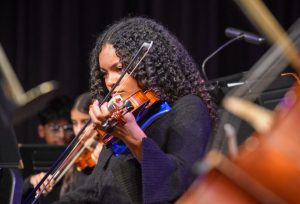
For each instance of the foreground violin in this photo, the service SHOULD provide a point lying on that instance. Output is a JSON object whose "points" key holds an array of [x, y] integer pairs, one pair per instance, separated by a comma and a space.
{"points": [[145, 106]]}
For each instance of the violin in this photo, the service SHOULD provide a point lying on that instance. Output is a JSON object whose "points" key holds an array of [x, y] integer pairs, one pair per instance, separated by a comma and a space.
{"points": [[138, 103], [85, 159]]}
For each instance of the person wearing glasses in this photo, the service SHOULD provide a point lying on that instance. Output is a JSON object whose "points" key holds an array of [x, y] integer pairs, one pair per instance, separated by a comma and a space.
{"points": [[55, 128], [79, 117]]}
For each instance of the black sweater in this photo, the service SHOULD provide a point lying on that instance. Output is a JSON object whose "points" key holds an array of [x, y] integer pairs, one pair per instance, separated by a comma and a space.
{"points": [[174, 142]]}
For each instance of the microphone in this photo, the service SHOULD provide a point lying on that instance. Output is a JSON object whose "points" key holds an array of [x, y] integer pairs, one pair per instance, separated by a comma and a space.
{"points": [[248, 37], [215, 89]]}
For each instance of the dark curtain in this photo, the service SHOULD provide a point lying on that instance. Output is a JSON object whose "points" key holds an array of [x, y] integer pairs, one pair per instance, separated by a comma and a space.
{"points": [[51, 39]]}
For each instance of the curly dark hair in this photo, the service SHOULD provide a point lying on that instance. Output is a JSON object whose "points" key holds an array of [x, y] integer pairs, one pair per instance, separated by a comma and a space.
{"points": [[168, 69], [57, 109]]}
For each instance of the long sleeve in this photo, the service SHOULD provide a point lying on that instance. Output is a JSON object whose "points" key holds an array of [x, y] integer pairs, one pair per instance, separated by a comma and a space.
{"points": [[88, 191], [113, 180], [169, 154]]}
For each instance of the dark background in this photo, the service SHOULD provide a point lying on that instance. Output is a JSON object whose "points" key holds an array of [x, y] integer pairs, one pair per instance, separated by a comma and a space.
{"points": [[51, 39]]}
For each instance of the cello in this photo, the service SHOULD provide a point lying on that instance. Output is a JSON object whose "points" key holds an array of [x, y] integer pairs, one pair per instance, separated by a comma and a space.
{"points": [[267, 168]]}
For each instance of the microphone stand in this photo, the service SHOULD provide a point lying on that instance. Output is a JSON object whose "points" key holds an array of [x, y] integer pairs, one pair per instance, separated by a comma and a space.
{"points": [[214, 90], [236, 35]]}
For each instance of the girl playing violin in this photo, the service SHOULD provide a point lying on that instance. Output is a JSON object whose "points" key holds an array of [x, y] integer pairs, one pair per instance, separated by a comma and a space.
{"points": [[156, 167], [75, 176]]}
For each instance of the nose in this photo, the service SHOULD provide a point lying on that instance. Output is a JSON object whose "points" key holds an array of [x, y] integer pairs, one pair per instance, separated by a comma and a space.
{"points": [[111, 80], [61, 133], [77, 128]]}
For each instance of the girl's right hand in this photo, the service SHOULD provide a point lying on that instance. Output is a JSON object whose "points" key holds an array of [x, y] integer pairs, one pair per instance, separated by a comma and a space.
{"points": [[35, 179]]}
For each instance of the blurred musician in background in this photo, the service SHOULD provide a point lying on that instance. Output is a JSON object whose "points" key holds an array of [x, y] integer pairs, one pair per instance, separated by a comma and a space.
{"points": [[55, 128], [79, 116], [75, 176]]}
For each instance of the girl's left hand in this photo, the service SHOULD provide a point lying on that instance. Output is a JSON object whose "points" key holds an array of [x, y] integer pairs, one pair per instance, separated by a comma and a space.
{"points": [[130, 133], [131, 130]]}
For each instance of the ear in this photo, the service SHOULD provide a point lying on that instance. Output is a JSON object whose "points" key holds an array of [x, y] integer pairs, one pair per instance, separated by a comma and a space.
{"points": [[41, 131]]}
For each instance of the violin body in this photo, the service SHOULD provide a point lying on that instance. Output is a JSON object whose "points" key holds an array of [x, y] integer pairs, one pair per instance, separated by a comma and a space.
{"points": [[85, 159], [267, 169], [138, 103]]}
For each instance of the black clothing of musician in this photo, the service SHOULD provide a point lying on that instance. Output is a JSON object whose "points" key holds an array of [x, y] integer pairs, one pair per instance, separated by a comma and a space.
{"points": [[156, 166]]}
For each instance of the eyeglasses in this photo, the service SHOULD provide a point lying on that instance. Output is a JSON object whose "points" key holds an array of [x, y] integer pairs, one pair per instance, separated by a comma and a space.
{"points": [[68, 129]]}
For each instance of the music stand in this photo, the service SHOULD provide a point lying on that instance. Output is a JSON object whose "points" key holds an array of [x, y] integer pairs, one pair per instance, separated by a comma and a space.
{"points": [[269, 98], [15, 106], [10, 160], [38, 157]]}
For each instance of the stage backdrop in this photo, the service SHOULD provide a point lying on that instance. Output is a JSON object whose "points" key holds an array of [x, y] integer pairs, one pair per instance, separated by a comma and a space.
{"points": [[51, 39]]}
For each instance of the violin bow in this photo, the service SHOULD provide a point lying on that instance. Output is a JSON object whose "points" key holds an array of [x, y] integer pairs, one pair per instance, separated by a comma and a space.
{"points": [[142, 51]]}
